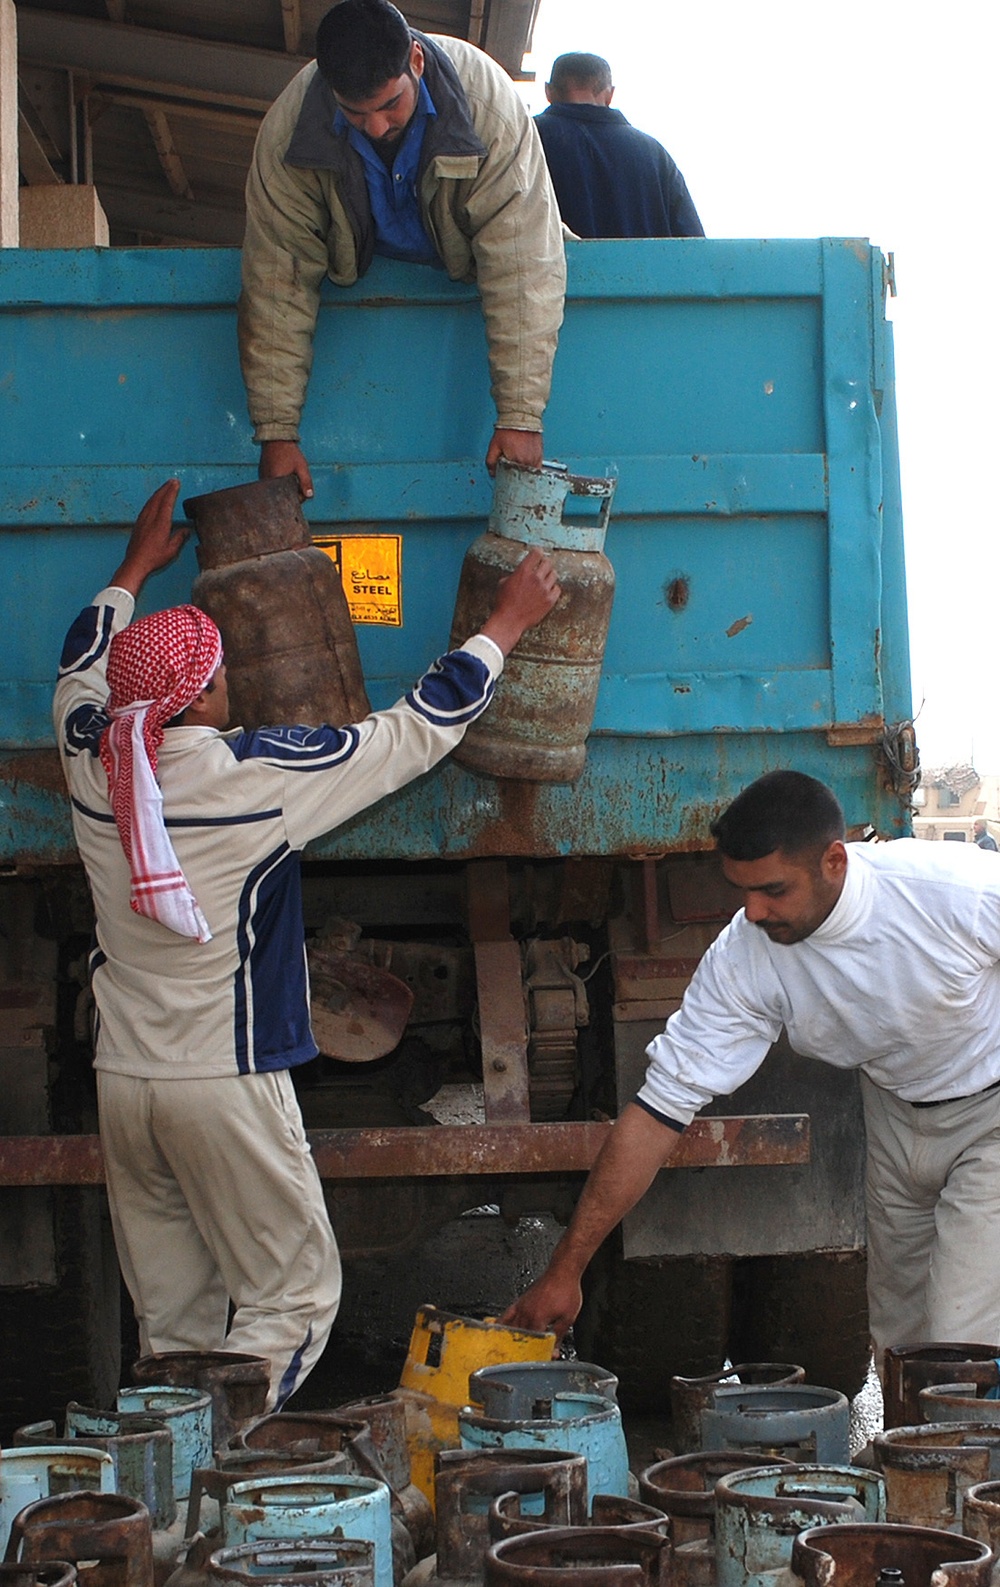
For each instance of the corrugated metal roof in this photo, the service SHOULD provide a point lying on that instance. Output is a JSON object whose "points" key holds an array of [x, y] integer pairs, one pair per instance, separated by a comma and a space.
{"points": [[157, 102]]}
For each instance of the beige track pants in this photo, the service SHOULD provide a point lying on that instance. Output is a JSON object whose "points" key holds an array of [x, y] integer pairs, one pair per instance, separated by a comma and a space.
{"points": [[933, 1198], [215, 1198]]}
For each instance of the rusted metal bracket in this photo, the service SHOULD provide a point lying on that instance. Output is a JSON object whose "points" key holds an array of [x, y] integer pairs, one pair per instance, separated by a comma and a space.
{"points": [[766, 1139], [503, 1027]]}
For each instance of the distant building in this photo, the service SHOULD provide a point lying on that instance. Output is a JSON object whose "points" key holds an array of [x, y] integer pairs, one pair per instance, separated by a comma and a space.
{"points": [[950, 799]]}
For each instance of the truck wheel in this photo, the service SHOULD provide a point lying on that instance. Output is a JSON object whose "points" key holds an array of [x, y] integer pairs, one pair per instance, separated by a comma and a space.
{"points": [[810, 1309], [647, 1319]]}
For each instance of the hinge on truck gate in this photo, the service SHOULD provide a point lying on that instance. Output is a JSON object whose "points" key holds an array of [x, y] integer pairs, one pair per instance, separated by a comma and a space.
{"points": [[901, 759], [889, 274]]}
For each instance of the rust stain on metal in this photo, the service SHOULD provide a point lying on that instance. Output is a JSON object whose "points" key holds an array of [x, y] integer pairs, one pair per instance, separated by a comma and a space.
{"points": [[739, 625], [517, 830], [450, 1150], [39, 768], [868, 729], [650, 967]]}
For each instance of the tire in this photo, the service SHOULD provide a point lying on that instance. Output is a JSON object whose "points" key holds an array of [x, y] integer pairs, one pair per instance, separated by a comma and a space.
{"points": [[811, 1310], [647, 1319]]}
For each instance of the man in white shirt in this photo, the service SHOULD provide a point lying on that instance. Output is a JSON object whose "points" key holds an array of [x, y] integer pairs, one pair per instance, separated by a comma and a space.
{"points": [[191, 836], [880, 957]]}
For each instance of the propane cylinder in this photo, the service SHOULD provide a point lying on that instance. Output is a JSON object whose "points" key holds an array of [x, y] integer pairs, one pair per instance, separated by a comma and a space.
{"points": [[299, 1506], [445, 1349], [957, 1402], [141, 1450], [583, 1424], [537, 725], [981, 1514], [552, 1486], [526, 1388], [236, 1383], [107, 1530], [910, 1368], [853, 1554], [36, 1471], [796, 1420], [758, 1513], [585, 1556], [685, 1488], [690, 1396], [291, 654], [929, 1468], [327, 1562], [187, 1413], [322, 1433]]}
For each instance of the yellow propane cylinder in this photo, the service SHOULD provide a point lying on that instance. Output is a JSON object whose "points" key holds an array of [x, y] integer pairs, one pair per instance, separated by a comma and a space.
{"points": [[434, 1385]]}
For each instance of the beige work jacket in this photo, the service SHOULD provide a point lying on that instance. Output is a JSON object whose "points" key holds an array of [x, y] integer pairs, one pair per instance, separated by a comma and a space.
{"points": [[487, 205]]}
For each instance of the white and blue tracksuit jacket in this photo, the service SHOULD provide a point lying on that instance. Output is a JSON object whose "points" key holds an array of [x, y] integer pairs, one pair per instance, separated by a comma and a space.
{"points": [[239, 807]]}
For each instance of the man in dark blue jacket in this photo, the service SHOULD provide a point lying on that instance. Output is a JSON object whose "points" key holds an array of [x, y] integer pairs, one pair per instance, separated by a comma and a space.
{"points": [[611, 180]]}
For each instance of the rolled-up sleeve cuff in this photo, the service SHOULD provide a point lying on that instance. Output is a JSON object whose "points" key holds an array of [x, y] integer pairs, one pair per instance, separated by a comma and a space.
{"points": [[517, 419], [487, 651], [275, 431], [661, 1118]]}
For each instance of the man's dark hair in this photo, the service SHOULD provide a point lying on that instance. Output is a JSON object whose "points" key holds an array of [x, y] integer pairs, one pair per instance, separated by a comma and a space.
{"points": [[785, 810], [361, 45], [578, 70]]}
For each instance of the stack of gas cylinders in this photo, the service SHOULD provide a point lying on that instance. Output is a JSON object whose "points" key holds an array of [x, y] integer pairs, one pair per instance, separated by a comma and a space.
{"points": [[493, 1464]]}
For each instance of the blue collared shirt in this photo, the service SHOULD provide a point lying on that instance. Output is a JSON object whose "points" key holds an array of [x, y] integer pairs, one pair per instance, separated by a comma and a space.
{"points": [[399, 228]]}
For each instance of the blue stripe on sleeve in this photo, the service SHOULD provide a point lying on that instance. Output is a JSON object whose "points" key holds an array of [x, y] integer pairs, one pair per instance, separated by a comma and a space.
{"points": [[296, 748], [457, 689], [87, 640]]}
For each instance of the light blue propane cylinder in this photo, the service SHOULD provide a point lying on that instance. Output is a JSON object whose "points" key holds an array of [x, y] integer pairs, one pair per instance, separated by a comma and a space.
{"points": [[758, 1514], [296, 1507], [188, 1414], [36, 1471], [580, 1424]]}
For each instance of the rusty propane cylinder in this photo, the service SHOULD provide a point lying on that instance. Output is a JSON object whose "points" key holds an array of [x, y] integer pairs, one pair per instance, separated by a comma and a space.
{"points": [[910, 1368], [236, 1383], [291, 654], [537, 725]]}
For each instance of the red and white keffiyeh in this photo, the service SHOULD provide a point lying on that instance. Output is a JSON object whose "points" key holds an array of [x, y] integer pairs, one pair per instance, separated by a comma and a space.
{"points": [[156, 667]]}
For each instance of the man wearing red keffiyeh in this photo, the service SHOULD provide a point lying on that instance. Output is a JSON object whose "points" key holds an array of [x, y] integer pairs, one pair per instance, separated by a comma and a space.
{"points": [[191, 838]]}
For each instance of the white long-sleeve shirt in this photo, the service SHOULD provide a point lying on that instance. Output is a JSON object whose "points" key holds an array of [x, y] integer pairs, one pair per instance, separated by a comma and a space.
{"points": [[239, 807], [901, 980]]}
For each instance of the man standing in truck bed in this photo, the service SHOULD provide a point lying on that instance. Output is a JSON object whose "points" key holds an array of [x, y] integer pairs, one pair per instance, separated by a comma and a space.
{"points": [[881, 957], [611, 180], [416, 147], [190, 837]]}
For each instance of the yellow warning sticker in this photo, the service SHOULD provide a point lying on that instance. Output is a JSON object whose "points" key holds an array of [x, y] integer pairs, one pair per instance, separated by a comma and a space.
{"points": [[370, 568]]}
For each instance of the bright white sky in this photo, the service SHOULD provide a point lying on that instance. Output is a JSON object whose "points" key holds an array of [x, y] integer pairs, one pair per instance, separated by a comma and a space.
{"points": [[793, 119]]}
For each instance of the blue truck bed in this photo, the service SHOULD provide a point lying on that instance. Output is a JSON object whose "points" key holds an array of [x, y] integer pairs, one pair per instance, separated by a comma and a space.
{"points": [[742, 391]]}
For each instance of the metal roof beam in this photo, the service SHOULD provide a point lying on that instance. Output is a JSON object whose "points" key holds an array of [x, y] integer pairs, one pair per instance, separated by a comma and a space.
{"points": [[166, 151], [163, 62], [291, 21], [242, 123]]}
